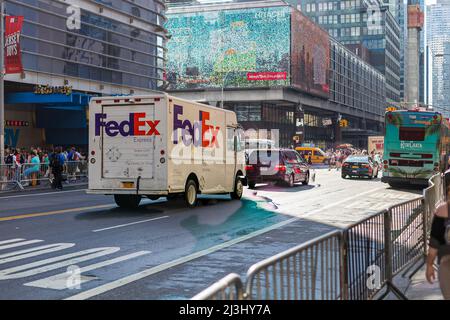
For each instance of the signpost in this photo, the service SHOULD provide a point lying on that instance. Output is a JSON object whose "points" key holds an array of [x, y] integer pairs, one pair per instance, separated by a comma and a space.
{"points": [[10, 62]]}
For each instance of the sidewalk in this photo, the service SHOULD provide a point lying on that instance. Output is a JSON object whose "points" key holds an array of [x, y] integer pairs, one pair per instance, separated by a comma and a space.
{"points": [[420, 289], [417, 288], [44, 186]]}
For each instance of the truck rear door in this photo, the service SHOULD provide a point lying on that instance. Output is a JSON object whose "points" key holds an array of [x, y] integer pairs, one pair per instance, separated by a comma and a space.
{"points": [[128, 133]]}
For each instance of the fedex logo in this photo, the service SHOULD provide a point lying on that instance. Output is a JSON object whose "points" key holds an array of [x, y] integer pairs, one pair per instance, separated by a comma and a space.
{"points": [[195, 133], [136, 125]]}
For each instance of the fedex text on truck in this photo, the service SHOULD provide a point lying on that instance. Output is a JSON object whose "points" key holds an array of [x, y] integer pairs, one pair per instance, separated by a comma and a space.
{"points": [[136, 125], [197, 130]]}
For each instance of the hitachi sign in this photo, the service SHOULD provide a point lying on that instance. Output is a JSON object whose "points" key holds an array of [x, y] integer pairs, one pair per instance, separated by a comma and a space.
{"points": [[136, 125]]}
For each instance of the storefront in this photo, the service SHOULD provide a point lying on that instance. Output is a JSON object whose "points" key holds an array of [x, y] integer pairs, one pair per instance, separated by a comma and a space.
{"points": [[46, 116]]}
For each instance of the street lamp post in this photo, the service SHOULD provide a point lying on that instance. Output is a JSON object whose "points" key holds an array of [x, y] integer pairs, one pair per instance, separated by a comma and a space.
{"points": [[223, 85]]}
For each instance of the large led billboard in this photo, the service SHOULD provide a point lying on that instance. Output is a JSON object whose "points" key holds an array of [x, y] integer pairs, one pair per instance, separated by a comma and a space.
{"points": [[310, 56], [229, 48]]}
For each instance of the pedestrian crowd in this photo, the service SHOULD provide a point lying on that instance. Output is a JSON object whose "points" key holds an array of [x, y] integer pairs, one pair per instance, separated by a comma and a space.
{"points": [[336, 157], [29, 166]]}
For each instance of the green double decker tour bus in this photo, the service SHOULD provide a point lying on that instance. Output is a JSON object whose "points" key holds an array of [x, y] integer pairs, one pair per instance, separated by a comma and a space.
{"points": [[416, 146]]}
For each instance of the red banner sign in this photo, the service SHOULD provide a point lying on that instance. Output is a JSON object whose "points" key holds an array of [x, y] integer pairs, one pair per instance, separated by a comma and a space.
{"points": [[13, 60], [265, 76]]}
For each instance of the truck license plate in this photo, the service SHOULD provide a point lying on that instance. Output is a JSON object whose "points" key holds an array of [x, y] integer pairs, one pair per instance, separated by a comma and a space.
{"points": [[128, 185]]}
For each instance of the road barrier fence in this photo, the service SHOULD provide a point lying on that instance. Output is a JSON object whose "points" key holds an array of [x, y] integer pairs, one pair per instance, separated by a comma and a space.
{"points": [[356, 263], [31, 174]]}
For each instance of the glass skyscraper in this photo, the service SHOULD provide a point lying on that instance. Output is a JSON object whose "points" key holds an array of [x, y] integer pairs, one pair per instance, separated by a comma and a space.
{"points": [[438, 42], [354, 22]]}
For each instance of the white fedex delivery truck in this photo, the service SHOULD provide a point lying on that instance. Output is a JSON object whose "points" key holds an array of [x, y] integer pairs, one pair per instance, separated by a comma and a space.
{"points": [[159, 145]]}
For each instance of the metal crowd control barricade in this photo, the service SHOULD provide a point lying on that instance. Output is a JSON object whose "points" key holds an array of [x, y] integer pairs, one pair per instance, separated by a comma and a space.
{"points": [[365, 250], [408, 236], [306, 272], [228, 288], [10, 177], [31, 174], [337, 265], [433, 196], [74, 170]]}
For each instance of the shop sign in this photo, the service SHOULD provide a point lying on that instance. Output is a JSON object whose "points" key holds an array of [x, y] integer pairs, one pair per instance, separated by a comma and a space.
{"points": [[12, 137], [46, 89], [16, 123], [266, 76], [13, 59]]}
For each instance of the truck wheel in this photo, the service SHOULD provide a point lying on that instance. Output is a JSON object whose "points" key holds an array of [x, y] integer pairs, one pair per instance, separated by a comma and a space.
{"points": [[238, 189], [190, 194], [128, 201]]}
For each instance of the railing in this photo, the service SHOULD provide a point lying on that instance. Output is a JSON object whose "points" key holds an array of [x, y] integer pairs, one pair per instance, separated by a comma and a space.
{"points": [[433, 195], [365, 248], [31, 174], [336, 266], [228, 288], [307, 272]]}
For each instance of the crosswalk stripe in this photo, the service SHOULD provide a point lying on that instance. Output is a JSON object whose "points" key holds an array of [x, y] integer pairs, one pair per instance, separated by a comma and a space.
{"points": [[35, 251], [10, 241], [89, 254], [59, 281], [19, 244]]}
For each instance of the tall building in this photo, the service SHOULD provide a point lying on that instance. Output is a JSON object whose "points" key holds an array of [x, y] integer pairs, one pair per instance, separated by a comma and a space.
{"points": [[72, 50], [402, 22], [412, 55], [421, 4], [275, 68], [363, 22], [438, 42]]}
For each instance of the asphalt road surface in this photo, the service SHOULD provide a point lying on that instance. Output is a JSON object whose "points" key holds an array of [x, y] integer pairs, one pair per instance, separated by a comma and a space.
{"points": [[51, 241]]}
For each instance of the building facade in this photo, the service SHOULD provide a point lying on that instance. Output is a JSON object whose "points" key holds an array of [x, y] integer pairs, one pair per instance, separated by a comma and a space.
{"points": [[438, 42], [276, 69], [72, 50], [369, 23]]}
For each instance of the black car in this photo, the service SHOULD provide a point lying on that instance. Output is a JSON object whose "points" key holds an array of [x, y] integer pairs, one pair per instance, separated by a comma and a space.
{"points": [[359, 166], [276, 165]]}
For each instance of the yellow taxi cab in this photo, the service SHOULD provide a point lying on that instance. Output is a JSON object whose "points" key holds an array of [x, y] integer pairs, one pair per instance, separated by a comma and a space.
{"points": [[317, 154]]}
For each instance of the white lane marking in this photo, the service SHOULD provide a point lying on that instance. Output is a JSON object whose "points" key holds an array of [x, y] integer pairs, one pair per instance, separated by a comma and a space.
{"points": [[15, 272], [10, 241], [35, 251], [145, 273], [331, 205], [19, 244], [129, 224], [148, 272], [59, 281], [41, 194]]}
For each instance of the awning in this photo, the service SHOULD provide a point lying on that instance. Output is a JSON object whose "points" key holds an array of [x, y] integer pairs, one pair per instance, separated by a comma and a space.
{"points": [[73, 99]]}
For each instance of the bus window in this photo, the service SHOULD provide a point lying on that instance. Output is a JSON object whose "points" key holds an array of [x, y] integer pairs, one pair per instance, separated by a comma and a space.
{"points": [[412, 134]]}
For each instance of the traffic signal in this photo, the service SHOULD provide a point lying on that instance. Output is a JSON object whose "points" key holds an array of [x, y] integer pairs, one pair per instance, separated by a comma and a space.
{"points": [[391, 109], [343, 123]]}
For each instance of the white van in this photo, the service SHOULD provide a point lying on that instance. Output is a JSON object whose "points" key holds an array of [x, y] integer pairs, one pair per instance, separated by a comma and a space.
{"points": [[159, 145]]}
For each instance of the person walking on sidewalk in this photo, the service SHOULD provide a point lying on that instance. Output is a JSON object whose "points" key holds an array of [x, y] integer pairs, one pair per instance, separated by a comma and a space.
{"points": [[57, 160], [439, 246]]}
